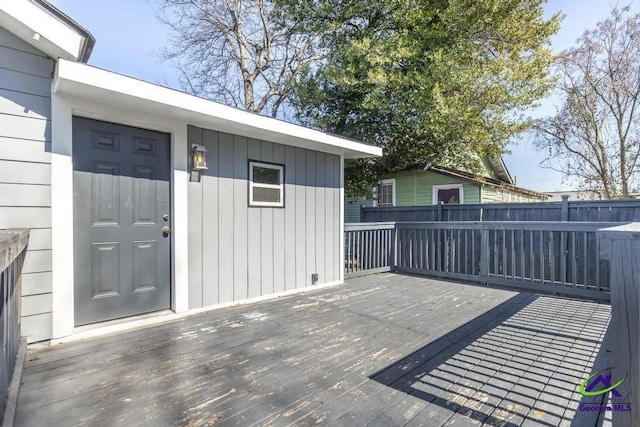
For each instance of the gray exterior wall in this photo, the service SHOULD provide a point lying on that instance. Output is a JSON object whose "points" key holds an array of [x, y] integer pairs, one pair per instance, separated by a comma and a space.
{"points": [[25, 170], [237, 252]]}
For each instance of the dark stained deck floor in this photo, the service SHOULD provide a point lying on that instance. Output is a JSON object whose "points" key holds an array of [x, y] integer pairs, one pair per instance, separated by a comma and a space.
{"points": [[383, 350]]}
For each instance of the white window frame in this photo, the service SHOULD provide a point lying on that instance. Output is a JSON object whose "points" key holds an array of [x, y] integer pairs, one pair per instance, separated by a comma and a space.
{"points": [[280, 186], [391, 181], [438, 187]]}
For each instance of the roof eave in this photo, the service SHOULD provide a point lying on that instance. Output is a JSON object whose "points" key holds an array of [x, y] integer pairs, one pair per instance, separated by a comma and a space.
{"points": [[88, 82], [47, 29]]}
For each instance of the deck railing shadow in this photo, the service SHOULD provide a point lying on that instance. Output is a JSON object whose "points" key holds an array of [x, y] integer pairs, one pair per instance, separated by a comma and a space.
{"points": [[525, 358]]}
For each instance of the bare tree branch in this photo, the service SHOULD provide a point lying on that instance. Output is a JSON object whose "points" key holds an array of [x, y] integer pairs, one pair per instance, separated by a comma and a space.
{"points": [[595, 135], [239, 52]]}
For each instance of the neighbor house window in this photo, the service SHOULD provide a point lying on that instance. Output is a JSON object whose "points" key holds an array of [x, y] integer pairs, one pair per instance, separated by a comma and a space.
{"points": [[448, 194], [386, 193], [266, 184]]}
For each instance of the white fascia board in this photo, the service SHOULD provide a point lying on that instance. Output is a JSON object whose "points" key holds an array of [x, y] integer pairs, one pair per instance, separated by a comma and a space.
{"points": [[41, 29], [84, 81]]}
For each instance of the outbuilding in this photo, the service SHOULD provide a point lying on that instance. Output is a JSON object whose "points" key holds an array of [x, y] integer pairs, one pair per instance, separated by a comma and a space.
{"points": [[142, 199]]}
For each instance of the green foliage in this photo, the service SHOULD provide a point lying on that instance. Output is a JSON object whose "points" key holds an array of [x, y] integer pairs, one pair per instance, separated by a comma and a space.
{"points": [[431, 81]]}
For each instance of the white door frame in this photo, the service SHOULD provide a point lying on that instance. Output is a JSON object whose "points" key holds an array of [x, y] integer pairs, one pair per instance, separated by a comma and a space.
{"points": [[63, 108]]}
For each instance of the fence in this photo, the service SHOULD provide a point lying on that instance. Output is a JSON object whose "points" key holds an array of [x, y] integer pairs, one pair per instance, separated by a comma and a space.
{"points": [[620, 211], [560, 257], [13, 247]]}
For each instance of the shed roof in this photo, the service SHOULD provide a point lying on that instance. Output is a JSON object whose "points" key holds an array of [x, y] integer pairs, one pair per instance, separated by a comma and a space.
{"points": [[88, 82]]}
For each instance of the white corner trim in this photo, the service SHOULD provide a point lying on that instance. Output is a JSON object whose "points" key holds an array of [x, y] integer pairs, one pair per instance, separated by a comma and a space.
{"points": [[341, 225], [25, 19], [85, 81], [61, 218], [180, 223], [447, 187]]}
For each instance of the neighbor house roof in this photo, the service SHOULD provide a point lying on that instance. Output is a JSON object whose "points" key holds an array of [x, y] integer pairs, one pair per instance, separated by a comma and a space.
{"points": [[84, 81], [500, 169], [46, 28], [465, 176]]}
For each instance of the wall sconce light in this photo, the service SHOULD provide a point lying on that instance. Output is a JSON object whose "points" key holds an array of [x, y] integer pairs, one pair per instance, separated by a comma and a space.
{"points": [[198, 157]]}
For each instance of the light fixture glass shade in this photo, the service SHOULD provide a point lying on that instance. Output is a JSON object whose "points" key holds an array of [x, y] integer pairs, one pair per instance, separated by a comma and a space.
{"points": [[199, 157]]}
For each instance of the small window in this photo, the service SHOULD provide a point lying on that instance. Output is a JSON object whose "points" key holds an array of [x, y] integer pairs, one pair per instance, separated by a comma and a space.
{"points": [[386, 193], [448, 194], [266, 184]]}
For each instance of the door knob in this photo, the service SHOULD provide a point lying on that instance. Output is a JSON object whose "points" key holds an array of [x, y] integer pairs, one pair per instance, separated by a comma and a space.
{"points": [[165, 217], [166, 230]]}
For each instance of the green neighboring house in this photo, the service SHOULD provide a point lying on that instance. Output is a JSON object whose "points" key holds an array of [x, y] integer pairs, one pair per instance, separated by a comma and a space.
{"points": [[432, 185], [429, 186]]}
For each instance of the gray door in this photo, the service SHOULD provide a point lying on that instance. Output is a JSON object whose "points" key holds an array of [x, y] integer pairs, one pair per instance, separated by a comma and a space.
{"points": [[121, 190]]}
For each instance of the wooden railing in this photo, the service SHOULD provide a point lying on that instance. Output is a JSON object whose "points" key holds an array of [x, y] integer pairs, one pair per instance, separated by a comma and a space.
{"points": [[621, 245], [13, 247], [542, 256], [369, 248]]}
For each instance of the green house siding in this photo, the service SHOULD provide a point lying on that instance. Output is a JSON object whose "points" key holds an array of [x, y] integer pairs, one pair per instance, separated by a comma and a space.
{"points": [[415, 188], [491, 194], [352, 209]]}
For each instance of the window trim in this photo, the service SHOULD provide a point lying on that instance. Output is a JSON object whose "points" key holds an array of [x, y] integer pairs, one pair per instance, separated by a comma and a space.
{"points": [[391, 181], [438, 187], [252, 185]]}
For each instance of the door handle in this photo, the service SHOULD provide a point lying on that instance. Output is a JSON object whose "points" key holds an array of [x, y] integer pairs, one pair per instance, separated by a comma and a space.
{"points": [[166, 230]]}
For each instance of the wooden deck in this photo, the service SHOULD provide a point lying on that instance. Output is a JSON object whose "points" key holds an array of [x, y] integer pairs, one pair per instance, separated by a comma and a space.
{"points": [[383, 350]]}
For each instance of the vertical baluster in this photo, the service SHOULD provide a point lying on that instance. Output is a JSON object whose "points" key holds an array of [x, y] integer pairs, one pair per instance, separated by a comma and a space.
{"points": [[574, 258], [542, 257], [531, 257], [585, 260], [522, 257], [563, 257], [552, 261]]}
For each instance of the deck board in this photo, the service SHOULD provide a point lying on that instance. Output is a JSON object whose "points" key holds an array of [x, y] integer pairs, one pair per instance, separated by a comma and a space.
{"points": [[380, 350]]}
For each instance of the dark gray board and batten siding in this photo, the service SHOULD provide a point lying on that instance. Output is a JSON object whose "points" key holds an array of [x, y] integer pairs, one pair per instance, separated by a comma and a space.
{"points": [[25, 171], [237, 252]]}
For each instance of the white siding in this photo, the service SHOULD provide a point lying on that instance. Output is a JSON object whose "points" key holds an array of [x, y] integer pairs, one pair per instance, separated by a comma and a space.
{"points": [[25, 171], [239, 252]]}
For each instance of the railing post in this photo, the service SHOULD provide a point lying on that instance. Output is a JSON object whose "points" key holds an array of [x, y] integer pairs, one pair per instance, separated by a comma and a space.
{"points": [[440, 212], [621, 245], [394, 267], [564, 214], [484, 252]]}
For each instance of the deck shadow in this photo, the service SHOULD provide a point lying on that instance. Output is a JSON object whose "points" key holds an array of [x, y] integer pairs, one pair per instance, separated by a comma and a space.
{"points": [[521, 361]]}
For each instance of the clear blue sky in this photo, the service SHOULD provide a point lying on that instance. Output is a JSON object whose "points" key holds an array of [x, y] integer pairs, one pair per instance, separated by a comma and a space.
{"points": [[129, 38]]}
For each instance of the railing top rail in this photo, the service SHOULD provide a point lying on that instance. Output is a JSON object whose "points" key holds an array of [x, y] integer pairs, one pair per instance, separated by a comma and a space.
{"points": [[508, 225], [632, 203], [361, 226], [12, 242]]}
